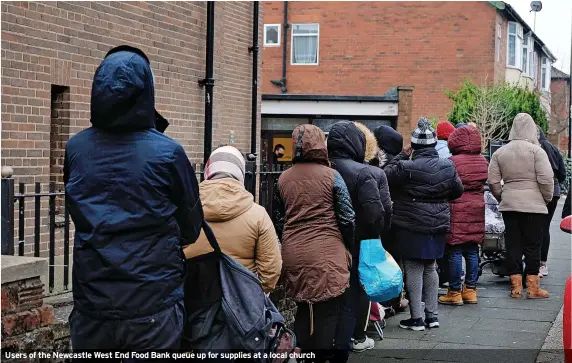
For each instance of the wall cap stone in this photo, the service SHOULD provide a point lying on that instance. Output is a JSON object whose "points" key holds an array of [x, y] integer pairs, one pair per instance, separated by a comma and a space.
{"points": [[405, 88], [16, 268]]}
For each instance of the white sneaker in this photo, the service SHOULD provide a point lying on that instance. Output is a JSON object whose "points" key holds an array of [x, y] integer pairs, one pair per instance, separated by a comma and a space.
{"points": [[367, 344], [543, 271]]}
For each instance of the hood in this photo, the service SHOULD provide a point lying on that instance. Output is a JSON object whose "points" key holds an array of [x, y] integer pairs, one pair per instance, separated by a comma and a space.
{"points": [[309, 145], [346, 141], [388, 140], [524, 128], [224, 199], [122, 93], [465, 140], [371, 148]]}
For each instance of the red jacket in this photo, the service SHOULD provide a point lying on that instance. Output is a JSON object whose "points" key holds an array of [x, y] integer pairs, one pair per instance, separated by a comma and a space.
{"points": [[468, 212]]}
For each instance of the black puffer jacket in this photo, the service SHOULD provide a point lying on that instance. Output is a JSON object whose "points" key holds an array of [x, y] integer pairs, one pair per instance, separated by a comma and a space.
{"points": [[556, 161], [421, 189], [390, 144], [346, 148]]}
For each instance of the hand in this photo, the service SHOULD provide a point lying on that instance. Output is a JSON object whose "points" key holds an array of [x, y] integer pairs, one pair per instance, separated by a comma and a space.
{"points": [[408, 150]]}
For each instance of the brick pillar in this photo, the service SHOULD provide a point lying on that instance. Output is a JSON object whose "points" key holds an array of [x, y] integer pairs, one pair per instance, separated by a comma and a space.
{"points": [[26, 320], [405, 113]]}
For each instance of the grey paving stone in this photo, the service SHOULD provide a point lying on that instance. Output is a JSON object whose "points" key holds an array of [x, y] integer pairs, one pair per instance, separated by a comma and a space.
{"points": [[491, 338], [401, 349], [553, 303], [509, 314], [471, 353], [512, 325]]}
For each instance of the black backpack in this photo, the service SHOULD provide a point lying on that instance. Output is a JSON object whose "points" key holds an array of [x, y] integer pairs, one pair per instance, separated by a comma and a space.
{"points": [[227, 310]]}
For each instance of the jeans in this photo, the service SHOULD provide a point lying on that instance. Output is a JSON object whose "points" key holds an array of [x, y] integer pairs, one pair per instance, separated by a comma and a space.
{"points": [[523, 236], [546, 235], [456, 253]]}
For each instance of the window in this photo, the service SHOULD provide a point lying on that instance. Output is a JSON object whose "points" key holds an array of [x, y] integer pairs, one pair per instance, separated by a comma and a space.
{"points": [[499, 41], [545, 74], [514, 44], [271, 35], [305, 43], [535, 65], [527, 48]]}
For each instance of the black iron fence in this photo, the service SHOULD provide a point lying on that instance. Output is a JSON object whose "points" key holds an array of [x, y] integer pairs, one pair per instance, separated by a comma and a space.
{"points": [[43, 229]]}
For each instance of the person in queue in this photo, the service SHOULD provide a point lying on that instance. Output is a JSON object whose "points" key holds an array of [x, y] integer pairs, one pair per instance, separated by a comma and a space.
{"points": [[347, 148], [316, 226], [528, 187], [243, 228], [133, 197], [422, 185]]}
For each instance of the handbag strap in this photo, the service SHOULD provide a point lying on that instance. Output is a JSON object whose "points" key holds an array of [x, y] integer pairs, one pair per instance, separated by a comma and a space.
{"points": [[211, 237]]}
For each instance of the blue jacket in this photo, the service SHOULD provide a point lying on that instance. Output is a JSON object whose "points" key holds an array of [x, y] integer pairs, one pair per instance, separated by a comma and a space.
{"points": [[443, 149], [133, 197]]}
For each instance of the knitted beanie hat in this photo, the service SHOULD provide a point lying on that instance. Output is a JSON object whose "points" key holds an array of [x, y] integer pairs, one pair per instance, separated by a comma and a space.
{"points": [[423, 135], [444, 130], [226, 162]]}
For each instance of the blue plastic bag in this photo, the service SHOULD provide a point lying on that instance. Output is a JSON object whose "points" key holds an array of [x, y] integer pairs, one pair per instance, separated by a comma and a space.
{"points": [[379, 274]]}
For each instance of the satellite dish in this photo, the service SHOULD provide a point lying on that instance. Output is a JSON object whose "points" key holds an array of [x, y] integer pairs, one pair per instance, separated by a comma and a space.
{"points": [[536, 6]]}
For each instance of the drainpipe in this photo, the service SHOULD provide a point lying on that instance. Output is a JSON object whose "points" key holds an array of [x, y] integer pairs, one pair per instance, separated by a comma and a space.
{"points": [[208, 83], [254, 50], [282, 82]]}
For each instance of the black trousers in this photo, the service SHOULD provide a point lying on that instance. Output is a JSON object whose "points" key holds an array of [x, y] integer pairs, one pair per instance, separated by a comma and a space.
{"points": [[524, 234], [362, 316], [325, 320], [546, 235]]}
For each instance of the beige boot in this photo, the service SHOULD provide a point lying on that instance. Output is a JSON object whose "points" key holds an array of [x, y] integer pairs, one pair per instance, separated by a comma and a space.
{"points": [[452, 298], [516, 286], [533, 291], [469, 295]]}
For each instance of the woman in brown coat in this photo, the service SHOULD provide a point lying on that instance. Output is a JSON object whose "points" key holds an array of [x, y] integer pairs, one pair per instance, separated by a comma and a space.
{"points": [[243, 229], [316, 232], [528, 185]]}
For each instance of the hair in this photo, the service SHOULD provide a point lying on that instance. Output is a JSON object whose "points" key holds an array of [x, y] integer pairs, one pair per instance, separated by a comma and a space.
{"points": [[279, 146]]}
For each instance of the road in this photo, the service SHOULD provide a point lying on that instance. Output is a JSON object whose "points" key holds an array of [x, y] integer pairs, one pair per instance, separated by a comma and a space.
{"points": [[498, 329]]}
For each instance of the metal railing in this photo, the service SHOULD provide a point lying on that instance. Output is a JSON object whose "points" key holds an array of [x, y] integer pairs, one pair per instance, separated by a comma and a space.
{"points": [[59, 218]]}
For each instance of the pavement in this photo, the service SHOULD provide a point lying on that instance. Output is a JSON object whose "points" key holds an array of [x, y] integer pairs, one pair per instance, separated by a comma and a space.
{"points": [[497, 329]]}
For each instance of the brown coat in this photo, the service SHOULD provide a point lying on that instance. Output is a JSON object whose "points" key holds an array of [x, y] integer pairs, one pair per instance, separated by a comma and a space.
{"points": [[243, 230], [317, 222], [525, 170]]}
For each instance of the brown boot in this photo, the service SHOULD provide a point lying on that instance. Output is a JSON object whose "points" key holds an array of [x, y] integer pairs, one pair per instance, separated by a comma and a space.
{"points": [[516, 286], [533, 291], [452, 298], [469, 295]]}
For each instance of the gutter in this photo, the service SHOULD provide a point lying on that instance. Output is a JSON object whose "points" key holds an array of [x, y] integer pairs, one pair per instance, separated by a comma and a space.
{"points": [[254, 102], [282, 82], [208, 83]]}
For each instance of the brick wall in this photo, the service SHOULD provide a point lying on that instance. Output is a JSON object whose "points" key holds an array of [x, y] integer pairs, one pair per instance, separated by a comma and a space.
{"points": [[560, 108], [49, 46], [366, 48]]}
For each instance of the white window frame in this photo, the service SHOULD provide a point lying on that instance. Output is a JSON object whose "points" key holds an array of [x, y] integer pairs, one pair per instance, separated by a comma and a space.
{"points": [[499, 42], [517, 45], [292, 35], [545, 65], [535, 64], [526, 48], [279, 27]]}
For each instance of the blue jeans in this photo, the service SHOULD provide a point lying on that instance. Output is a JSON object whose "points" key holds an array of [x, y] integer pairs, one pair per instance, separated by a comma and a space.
{"points": [[456, 253]]}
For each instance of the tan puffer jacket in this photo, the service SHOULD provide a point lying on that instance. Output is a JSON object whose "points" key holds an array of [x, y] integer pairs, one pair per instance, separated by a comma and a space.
{"points": [[525, 170], [243, 230]]}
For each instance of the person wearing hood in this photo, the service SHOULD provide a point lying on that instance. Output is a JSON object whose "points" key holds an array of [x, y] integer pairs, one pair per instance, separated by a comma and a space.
{"points": [[316, 227], [389, 142], [347, 150], [528, 187], [243, 228], [422, 187], [444, 130], [559, 170], [133, 197], [467, 216]]}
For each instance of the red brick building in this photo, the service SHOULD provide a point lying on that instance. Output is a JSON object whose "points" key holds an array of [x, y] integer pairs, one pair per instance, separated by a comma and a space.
{"points": [[560, 105], [366, 48], [50, 51]]}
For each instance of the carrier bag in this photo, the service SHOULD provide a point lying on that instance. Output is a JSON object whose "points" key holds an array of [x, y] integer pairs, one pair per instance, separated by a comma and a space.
{"points": [[379, 274], [227, 310]]}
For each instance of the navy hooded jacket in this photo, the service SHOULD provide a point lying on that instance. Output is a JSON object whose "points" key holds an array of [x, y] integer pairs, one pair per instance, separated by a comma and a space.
{"points": [[132, 195]]}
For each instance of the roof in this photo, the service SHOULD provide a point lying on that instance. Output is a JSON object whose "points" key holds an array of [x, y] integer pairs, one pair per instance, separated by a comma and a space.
{"points": [[510, 12], [390, 96], [558, 74]]}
